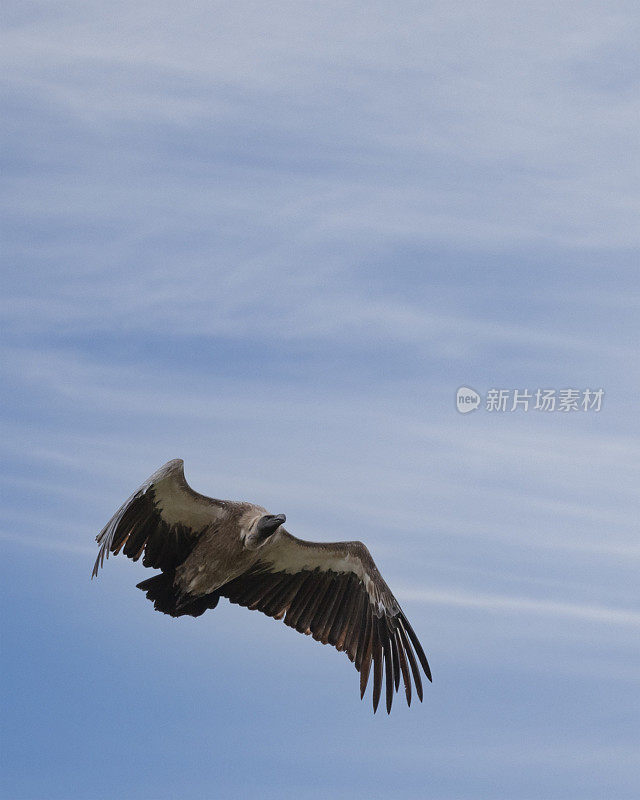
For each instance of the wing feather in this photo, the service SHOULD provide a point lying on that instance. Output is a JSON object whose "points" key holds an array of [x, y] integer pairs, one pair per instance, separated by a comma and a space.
{"points": [[324, 619], [358, 621], [314, 602], [416, 643], [412, 661], [403, 667], [340, 612], [365, 655], [335, 593], [163, 519], [376, 654], [355, 599], [299, 601], [364, 635], [395, 659]]}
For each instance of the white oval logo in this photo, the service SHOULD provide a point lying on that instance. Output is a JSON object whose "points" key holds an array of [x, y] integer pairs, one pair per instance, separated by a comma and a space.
{"points": [[467, 400]]}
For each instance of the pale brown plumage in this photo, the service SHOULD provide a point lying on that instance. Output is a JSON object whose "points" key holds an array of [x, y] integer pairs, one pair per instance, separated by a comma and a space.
{"points": [[209, 549]]}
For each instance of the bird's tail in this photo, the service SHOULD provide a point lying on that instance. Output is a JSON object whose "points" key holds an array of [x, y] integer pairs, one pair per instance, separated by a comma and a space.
{"points": [[166, 597]]}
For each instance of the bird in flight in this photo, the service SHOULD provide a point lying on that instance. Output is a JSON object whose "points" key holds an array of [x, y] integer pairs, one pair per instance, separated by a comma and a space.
{"points": [[207, 549]]}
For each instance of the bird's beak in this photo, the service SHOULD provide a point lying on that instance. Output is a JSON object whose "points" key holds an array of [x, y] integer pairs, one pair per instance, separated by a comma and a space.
{"points": [[280, 519]]}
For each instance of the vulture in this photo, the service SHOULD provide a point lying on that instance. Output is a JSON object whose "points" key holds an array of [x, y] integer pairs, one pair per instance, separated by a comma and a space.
{"points": [[206, 549]]}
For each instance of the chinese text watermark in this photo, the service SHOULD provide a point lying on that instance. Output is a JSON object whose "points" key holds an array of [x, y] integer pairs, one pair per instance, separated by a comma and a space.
{"points": [[542, 400]]}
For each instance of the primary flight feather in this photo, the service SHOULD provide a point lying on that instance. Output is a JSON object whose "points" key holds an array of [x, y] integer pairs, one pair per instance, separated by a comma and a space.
{"points": [[207, 549]]}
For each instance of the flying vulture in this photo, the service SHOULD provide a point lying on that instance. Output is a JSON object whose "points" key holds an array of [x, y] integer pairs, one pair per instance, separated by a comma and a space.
{"points": [[208, 549]]}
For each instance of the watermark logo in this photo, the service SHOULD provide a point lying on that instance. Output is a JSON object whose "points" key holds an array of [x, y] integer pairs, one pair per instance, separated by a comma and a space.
{"points": [[467, 400], [542, 400]]}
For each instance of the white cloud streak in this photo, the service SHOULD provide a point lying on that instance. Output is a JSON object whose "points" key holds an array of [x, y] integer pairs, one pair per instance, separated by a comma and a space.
{"points": [[504, 604]]}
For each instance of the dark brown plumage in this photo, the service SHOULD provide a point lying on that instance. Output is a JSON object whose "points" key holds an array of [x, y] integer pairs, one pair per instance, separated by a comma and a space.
{"points": [[207, 549]]}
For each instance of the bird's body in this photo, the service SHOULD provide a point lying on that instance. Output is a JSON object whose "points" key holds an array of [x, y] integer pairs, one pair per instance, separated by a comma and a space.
{"points": [[221, 554], [207, 549]]}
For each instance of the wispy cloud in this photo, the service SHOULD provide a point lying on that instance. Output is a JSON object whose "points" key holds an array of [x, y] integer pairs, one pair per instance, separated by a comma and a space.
{"points": [[480, 155], [47, 544], [521, 605]]}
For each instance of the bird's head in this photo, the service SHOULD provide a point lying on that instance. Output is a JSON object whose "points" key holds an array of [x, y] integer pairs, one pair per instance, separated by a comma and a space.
{"points": [[262, 528]]}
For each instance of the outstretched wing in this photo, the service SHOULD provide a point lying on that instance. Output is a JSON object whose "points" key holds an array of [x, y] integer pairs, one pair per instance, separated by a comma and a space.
{"points": [[335, 593], [162, 519]]}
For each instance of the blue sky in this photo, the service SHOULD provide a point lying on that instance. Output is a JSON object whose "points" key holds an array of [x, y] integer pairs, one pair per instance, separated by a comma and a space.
{"points": [[274, 242]]}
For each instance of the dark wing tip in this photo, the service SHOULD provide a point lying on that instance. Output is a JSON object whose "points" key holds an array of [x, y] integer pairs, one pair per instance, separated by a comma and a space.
{"points": [[416, 643]]}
